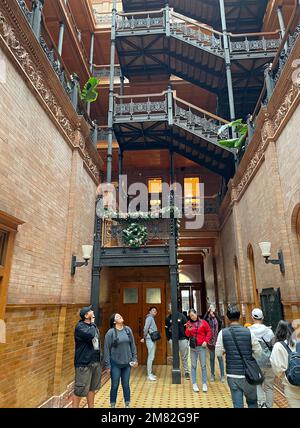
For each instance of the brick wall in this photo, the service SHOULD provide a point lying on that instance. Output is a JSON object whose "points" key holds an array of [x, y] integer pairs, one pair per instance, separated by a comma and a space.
{"points": [[45, 184]]}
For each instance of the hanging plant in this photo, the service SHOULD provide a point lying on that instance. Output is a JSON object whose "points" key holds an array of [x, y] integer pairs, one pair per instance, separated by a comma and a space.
{"points": [[240, 128], [135, 235], [89, 93]]}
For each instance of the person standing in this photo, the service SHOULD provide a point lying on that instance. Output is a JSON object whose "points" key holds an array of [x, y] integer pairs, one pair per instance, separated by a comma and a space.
{"points": [[265, 336], [235, 370], [215, 324], [199, 334], [119, 356], [87, 358], [183, 341], [149, 328], [283, 344]]}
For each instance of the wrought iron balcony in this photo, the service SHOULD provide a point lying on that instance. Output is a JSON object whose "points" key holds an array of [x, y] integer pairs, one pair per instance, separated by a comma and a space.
{"points": [[171, 24]]}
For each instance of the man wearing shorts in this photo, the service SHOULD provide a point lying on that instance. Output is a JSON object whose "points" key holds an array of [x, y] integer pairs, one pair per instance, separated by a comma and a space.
{"points": [[87, 358]]}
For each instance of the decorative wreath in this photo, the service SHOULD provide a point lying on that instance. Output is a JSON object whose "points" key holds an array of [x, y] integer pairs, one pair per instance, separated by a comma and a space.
{"points": [[135, 235]]}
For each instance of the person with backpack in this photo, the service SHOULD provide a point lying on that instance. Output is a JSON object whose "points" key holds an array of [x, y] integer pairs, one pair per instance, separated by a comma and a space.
{"points": [[119, 356], [285, 361], [240, 347], [215, 323], [265, 336], [199, 334]]}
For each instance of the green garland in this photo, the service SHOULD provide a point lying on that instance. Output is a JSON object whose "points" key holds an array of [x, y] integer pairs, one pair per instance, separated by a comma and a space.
{"points": [[135, 235]]}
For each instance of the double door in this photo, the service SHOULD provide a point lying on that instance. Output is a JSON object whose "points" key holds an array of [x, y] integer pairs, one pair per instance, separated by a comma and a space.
{"points": [[135, 299]]}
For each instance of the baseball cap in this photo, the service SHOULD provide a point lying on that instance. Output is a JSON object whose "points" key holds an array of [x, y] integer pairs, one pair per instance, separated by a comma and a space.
{"points": [[84, 310], [257, 314]]}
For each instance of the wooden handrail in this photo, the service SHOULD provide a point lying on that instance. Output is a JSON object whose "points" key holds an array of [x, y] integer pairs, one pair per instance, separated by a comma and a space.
{"points": [[141, 95], [213, 116], [265, 33], [140, 13]]}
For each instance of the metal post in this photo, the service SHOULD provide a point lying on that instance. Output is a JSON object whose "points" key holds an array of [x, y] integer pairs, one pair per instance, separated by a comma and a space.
{"points": [[269, 80], [250, 129], [176, 374], [95, 134], [74, 94], [61, 37], [170, 105], [282, 25], [95, 286], [79, 35], [92, 52], [122, 80], [120, 156], [227, 61], [37, 9], [111, 92]]}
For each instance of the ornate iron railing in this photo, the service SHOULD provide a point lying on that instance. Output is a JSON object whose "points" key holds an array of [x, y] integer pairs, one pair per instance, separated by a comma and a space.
{"points": [[198, 120], [140, 106], [104, 71], [158, 231], [103, 19], [250, 43]]}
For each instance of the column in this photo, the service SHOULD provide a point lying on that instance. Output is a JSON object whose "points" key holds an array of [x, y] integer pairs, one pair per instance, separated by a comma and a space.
{"points": [[176, 373], [227, 61], [111, 93], [37, 9], [96, 270], [282, 25], [61, 37]]}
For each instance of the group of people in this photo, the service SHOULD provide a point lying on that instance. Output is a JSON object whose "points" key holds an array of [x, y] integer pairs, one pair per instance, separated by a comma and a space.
{"points": [[244, 348]]}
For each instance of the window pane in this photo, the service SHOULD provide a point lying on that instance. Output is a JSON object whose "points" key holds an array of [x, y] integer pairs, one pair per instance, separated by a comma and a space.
{"points": [[185, 300], [130, 295], [197, 301], [3, 240], [153, 295]]}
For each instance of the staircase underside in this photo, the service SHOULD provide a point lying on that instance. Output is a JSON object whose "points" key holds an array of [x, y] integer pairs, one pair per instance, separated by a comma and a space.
{"points": [[159, 135], [241, 15], [151, 57]]}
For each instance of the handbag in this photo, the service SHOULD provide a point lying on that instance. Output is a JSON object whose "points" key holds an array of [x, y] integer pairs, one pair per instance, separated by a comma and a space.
{"points": [[155, 335], [193, 339], [253, 373]]}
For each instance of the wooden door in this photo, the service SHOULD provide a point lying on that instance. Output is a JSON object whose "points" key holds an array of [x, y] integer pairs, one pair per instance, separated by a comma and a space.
{"points": [[135, 300]]}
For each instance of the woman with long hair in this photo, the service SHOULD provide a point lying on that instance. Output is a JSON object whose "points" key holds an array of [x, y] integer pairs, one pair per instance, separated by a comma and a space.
{"points": [[199, 333], [284, 342], [119, 356]]}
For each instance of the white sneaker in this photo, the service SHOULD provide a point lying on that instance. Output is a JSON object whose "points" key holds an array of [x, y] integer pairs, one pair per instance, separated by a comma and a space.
{"points": [[151, 377], [204, 387], [195, 387]]}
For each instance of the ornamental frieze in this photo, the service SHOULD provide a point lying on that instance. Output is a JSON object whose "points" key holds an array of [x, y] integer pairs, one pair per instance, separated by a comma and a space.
{"points": [[38, 80]]}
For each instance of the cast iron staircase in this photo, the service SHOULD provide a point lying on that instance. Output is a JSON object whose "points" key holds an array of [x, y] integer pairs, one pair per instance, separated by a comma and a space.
{"points": [[164, 121]]}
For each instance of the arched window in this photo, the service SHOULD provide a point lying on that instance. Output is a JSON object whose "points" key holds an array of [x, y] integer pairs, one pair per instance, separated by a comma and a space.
{"points": [[253, 275]]}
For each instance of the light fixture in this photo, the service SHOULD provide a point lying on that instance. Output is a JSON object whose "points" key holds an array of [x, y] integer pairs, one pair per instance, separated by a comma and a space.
{"points": [[86, 255], [266, 252], [179, 261]]}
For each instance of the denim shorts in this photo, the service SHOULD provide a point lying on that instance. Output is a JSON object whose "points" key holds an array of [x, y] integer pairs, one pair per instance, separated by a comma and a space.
{"points": [[87, 379]]}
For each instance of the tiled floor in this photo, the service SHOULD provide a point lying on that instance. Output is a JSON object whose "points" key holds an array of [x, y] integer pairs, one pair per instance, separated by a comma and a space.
{"points": [[162, 394]]}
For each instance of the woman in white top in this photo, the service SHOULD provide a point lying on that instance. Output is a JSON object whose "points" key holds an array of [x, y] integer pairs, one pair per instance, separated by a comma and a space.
{"points": [[279, 361]]}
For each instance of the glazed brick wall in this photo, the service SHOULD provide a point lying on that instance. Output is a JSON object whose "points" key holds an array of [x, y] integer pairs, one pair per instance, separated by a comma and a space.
{"points": [[36, 185], [43, 183], [27, 360], [225, 261]]}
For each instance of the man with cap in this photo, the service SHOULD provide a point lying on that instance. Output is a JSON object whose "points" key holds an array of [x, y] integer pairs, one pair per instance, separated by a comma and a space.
{"points": [[265, 336], [87, 358]]}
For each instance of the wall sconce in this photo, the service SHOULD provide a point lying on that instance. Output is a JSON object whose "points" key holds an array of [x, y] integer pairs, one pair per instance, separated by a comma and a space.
{"points": [[179, 261], [86, 255], [266, 252]]}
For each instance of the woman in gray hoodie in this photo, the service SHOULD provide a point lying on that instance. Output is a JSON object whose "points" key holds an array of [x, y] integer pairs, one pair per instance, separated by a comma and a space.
{"points": [[119, 356], [150, 327]]}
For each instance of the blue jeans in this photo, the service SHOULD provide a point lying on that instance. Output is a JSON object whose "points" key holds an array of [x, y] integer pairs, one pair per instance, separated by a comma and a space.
{"points": [[212, 363], [117, 373], [240, 387], [199, 352]]}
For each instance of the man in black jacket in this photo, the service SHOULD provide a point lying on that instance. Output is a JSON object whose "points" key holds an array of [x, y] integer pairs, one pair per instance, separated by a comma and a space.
{"points": [[183, 341], [87, 358], [232, 341]]}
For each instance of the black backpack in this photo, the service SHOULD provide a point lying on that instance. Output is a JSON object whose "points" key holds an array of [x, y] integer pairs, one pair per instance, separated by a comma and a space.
{"points": [[293, 371]]}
